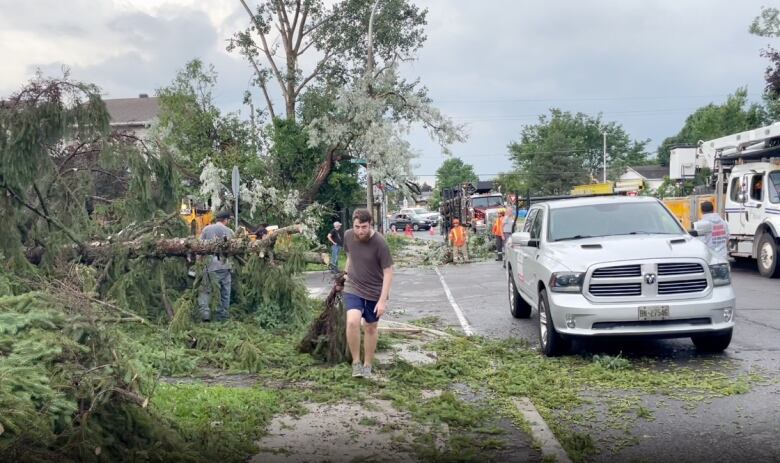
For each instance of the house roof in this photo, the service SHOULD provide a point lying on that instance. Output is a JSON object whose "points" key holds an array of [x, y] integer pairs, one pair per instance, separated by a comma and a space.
{"points": [[133, 111], [651, 172]]}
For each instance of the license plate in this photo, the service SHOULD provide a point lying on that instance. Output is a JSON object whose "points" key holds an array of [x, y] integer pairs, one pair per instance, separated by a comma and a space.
{"points": [[653, 312]]}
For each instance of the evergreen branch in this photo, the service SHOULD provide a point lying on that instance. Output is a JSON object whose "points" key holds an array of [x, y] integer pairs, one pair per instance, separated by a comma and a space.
{"points": [[49, 219]]}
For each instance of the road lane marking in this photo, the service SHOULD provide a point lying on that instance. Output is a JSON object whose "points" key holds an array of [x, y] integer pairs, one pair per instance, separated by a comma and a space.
{"points": [[461, 318], [540, 432]]}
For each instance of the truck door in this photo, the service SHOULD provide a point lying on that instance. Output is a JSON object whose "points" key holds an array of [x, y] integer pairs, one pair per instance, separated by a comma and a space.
{"points": [[754, 206], [530, 254], [735, 211], [522, 254], [773, 191]]}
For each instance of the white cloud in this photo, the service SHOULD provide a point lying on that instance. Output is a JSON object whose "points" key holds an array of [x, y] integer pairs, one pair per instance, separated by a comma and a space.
{"points": [[494, 63]]}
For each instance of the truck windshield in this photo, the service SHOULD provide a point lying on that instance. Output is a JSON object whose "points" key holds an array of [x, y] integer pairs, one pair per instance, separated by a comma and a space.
{"points": [[610, 220], [774, 186], [486, 202]]}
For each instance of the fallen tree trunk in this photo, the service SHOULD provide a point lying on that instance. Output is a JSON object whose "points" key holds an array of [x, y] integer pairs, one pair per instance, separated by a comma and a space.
{"points": [[184, 247]]}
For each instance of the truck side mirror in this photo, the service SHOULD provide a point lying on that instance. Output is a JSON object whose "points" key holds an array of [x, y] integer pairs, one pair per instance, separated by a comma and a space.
{"points": [[520, 239]]}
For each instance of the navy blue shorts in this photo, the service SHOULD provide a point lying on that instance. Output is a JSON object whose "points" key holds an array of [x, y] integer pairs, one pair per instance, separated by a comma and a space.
{"points": [[366, 307]]}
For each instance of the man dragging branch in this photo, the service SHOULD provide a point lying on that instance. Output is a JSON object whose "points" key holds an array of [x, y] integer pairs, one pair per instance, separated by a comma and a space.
{"points": [[369, 274]]}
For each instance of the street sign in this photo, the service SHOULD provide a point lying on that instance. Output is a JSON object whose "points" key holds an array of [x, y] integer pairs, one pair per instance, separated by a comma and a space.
{"points": [[236, 186]]}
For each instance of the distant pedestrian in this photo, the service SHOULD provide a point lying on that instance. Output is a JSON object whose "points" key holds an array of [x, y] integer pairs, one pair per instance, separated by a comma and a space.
{"points": [[336, 238], [217, 270], [369, 274], [459, 239], [719, 238], [408, 231], [498, 232]]}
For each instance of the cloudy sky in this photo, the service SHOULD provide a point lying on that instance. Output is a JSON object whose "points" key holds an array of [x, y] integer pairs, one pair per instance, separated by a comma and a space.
{"points": [[494, 65]]}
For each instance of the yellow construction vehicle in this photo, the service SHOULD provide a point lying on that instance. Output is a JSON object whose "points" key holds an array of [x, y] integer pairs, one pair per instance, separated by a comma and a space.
{"points": [[196, 215], [593, 189]]}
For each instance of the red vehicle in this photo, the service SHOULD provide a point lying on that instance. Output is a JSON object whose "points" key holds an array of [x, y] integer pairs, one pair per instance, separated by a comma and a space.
{"points": [[483, 208]]}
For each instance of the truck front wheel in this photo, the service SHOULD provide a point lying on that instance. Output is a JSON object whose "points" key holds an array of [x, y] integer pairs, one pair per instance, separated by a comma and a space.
{"points": [[767, 256], [551, 343], [717, 342]]}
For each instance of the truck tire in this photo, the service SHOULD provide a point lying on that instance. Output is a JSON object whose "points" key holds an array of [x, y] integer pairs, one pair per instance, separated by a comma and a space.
{"points": [[712, 343], [768, 256], [551, 343], [517, 305]]}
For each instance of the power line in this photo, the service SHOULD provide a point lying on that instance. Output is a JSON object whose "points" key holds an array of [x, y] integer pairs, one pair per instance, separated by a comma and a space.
{"points": [[529, 153], [513, 117], [605, 98]]}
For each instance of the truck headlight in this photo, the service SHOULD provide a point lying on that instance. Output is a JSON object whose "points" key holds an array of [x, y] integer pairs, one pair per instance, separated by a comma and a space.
{"points": [[721, 274], [566, 282]]}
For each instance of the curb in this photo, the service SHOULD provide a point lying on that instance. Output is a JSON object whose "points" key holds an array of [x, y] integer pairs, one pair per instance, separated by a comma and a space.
{"points": [[540, 432]]}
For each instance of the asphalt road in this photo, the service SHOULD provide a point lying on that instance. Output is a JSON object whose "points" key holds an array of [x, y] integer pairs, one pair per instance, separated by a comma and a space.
{"points": [[742, 427]]}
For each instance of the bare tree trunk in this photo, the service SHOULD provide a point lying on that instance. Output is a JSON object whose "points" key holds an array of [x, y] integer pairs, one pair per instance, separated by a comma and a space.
{"points": [[183, 247], [323, 172]]}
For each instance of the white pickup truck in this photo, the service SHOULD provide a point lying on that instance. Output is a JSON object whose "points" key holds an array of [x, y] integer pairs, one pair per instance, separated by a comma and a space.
{"points": [[617, 266]]}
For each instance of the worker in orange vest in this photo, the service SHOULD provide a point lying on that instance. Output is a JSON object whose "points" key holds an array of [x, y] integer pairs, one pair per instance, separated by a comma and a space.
{"points": [[498, 232], [459, 242]]}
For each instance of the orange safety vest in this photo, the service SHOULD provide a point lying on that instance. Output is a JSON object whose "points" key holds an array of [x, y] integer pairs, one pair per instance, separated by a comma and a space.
{"points": [[498, 226], [458, 236]]}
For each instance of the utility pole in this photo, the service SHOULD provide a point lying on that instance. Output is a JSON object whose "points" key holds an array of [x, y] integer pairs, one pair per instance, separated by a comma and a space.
{"points": [[369, 74], [369, 190], [605, 157]]}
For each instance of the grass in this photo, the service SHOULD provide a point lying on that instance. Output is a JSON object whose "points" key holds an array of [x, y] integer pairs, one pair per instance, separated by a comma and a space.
{"points": [[500, 370], [224, 421]]}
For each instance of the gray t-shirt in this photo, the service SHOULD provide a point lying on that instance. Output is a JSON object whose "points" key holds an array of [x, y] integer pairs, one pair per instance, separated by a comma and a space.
{"points": [[212, 232], [367, 262]]}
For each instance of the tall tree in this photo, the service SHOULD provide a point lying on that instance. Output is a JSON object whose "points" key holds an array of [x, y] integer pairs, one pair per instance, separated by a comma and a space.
{"points": [[369, 120], [565, 149], [767, 24], [511, 182], [338, 37], [453, 171], [334, 36], [713, 121], [192, 125]]}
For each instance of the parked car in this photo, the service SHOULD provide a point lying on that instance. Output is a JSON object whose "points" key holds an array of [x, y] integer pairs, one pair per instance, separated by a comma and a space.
{"points": [[434, 217], [600, 267], [400, 221]]}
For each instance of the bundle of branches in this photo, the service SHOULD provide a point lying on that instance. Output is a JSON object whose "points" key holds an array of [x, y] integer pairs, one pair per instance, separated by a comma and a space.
{"points": [[68, 388], [74, 193], [326, 338]]}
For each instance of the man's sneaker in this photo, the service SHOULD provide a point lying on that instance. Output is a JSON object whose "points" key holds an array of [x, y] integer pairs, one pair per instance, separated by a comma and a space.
{"points": [[357, 370], [367, 372]]}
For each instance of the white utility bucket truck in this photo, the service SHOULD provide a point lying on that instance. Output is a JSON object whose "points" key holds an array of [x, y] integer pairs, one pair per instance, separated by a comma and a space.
{"points": [[746, 167]]}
